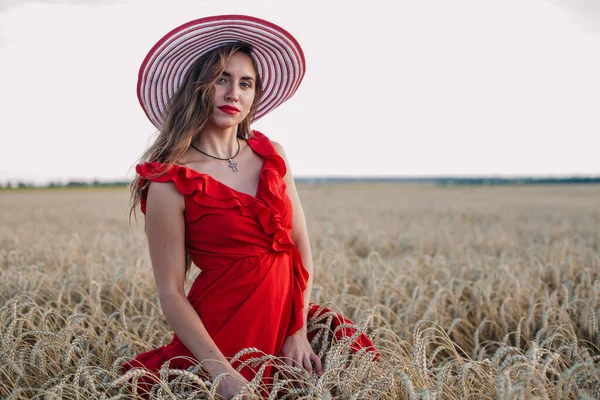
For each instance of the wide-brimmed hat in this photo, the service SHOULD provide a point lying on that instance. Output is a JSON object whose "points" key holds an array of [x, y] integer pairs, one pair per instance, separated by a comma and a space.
{"points": [[277, 54]]}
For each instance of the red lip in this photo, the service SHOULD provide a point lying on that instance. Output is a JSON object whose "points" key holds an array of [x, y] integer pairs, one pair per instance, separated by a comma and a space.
{"points": [[229, 109]]}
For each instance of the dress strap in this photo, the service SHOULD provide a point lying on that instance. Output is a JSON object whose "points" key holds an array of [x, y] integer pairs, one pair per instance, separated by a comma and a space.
{"points": [[262, 145], [186, 181]]}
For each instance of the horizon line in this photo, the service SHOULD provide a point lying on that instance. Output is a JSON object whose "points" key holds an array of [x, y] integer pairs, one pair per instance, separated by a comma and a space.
{"points": [[497, 178]]}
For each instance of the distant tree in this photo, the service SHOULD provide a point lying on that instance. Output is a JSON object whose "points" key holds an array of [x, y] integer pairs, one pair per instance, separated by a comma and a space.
{"points": [[76, 184]]}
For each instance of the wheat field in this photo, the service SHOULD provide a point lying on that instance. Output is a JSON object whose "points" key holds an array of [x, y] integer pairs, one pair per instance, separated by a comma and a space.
{"points": [[468, 293]]}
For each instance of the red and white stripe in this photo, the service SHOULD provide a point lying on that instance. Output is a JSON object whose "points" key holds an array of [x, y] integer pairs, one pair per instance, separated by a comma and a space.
{"points": [[278, 56]]}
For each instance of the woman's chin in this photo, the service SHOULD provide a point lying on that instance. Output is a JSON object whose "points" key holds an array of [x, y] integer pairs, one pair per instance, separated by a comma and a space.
{"points": [[224, 121]]}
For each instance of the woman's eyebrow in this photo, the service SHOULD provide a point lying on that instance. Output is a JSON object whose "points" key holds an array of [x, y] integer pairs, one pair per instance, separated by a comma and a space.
{"points": [[247, 78]]}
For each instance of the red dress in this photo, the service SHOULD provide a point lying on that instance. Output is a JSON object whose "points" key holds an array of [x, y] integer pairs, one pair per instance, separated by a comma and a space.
{"points": [[250, 289]]}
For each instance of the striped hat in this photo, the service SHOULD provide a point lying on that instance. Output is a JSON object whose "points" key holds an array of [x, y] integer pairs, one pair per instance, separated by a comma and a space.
{"points": [[277, 54]]}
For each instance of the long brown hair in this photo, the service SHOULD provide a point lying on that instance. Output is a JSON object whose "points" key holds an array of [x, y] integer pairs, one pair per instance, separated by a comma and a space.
{"points": [[188, 111]]}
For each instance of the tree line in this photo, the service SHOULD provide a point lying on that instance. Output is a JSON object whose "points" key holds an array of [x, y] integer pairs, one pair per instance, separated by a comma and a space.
{"points": [[69, 184], [446, 181]]}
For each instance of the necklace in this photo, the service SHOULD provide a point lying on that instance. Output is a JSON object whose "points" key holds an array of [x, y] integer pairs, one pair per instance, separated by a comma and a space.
{"points": [[232, 165]]}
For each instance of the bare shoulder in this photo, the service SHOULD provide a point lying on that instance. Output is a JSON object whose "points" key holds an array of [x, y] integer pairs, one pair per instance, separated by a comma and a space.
{"points": [[279, 148], [164, 195]]}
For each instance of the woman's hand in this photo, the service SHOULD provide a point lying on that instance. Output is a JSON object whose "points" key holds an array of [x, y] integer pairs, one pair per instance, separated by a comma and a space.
{"points": [[232, 385], [296, 351]]}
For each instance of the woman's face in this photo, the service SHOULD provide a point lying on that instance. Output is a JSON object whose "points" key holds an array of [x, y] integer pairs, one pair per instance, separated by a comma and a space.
{"points": [[234, 92]]}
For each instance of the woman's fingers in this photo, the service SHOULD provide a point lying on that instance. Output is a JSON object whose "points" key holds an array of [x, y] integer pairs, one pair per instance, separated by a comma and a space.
{"points": [[305, 361], [318, 366], [307, 364], [299, 360], [290, 362]]}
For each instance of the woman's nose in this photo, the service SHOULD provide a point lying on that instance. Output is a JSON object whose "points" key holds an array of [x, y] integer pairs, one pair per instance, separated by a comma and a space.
{"points": [[232, 94]]}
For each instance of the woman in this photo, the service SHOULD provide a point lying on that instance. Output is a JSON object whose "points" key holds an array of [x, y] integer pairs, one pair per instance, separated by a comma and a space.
{"points": [[222, 196]]}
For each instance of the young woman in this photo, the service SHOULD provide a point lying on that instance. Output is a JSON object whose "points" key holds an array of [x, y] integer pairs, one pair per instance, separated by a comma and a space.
{"points": [[221, 196]]}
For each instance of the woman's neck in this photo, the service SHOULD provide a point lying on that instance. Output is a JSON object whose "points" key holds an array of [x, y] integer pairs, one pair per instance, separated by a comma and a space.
{"points": [[220, 143]]}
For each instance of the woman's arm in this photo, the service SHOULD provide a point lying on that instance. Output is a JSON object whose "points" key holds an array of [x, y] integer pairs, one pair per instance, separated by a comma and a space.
{"points": [[302, 242], [165, 229]]}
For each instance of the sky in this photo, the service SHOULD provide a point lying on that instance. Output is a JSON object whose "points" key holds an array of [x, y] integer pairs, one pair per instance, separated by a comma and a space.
{"points": [[392, 88]]}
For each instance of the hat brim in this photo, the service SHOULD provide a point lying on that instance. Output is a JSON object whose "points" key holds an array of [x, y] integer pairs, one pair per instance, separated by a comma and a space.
{"points": [[278, 56]]}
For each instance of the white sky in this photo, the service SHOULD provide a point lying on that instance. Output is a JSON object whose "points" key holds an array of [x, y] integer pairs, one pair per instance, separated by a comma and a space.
{"points": [[402, 88]]}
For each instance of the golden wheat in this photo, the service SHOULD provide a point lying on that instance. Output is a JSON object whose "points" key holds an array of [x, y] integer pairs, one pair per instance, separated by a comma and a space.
{"points": [[481, 292]]}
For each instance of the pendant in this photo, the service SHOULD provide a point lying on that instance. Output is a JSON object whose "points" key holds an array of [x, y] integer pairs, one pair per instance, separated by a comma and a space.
{"points": [[233, 165]]}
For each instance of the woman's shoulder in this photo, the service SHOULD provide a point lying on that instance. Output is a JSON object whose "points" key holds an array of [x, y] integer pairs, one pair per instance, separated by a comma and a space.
{"points": [[156, 171], [184, 179], [165, 183], [270, 150], [262, 144]]}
